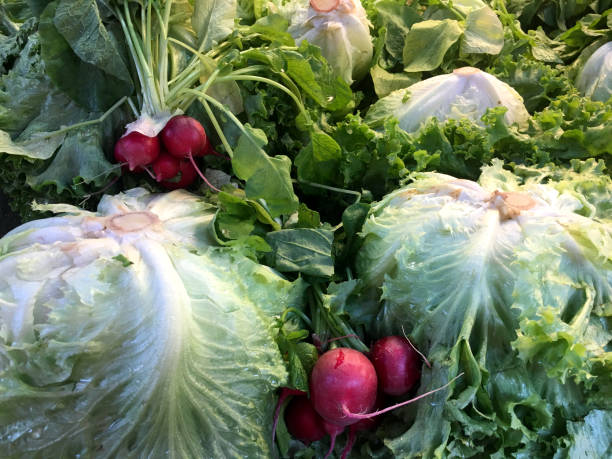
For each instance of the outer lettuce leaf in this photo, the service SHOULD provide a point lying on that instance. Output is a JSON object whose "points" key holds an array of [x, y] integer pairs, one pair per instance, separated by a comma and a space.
{"points": [[593, 437], [586, 181], [595, 78], [342, 34], [147, 342], [517, 301]]}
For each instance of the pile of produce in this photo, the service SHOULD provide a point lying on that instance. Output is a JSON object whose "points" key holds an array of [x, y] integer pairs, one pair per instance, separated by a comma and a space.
{"points": [[306, 228]]}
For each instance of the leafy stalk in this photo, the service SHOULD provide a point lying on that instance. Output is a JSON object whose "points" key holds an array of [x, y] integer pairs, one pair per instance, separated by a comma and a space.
{"points": [[218, 128], [151, 101], [328, 324]]}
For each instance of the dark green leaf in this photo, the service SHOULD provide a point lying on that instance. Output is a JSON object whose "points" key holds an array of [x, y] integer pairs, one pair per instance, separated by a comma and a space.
{"points": [[266, 178], [272, 28], [397, 19], [303, 250], [80, 56], [80, 160], [308, 218], [318, 161], [314, 76]]}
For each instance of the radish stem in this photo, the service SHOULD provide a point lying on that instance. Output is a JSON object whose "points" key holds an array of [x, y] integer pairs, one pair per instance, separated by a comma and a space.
{"points": [[397, 405], [202, 176], [213, 120]]}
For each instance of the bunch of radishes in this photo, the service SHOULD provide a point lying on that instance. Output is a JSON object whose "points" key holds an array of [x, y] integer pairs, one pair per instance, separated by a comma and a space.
{"points": [[347, 389], [169, 156]]}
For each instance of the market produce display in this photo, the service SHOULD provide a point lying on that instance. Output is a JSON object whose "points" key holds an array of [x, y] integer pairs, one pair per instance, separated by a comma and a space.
{"points": [[306, 228]]}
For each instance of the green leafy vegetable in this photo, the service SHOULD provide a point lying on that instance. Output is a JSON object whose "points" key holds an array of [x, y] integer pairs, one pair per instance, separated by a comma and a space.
{"points": [[464, 94], [505, 281], [427, 43], [304, 250], [169, 354], [34, 120], [595, 78], [75, 42]]}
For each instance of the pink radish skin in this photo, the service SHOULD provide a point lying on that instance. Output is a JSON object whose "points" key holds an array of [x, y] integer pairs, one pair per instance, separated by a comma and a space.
{"points": [[333, 430], [285, 392], [302, 421], [398, 366], [165, 167], [363, 425], [343, 381], [188, 175], [136, 150], [184, 136]]}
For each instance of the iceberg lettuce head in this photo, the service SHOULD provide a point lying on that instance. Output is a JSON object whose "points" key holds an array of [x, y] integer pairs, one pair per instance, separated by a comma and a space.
{"points": [[466, 93], [125, 333], [342, 33], [508, 281], [595, 78]]}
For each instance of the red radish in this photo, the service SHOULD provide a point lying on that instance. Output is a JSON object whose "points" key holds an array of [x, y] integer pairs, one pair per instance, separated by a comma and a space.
{"points": [[285, 392], [333, 430], [363, 425], [165, 167], [343, 387], [184, 136], [324, 6], [302, 421], [343, 381], [398, 366], [136, 150], [370, 423], [187, 176]]}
